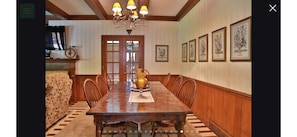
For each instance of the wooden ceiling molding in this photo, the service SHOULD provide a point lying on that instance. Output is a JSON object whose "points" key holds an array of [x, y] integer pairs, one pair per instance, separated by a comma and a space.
{"points": [[188, 6], [97, 8], [144, 2], [101, 14], [50, 7]]}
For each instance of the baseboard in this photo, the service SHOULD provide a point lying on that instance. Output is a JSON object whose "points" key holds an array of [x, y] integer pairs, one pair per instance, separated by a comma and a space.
{"points": [[217, 130]]}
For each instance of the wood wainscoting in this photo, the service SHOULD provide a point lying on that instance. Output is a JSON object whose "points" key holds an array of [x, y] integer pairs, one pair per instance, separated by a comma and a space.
{"points": [[224, 110], [228, 110]]}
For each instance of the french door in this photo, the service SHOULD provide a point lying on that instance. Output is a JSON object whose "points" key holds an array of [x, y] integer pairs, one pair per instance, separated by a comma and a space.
{"points": [[120, 55]]}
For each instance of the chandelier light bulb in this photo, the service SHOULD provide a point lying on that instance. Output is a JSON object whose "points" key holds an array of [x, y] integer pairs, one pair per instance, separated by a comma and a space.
{"points": [[128, 18], [116, 7], [131, 5], [134, 14], [143, 10]]}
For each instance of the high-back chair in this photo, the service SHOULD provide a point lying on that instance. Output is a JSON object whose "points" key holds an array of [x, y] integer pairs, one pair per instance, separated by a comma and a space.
{"points": [[93, 95], [177, 83], [102, 84], [91, 92], [166, 80], [186, 94], [108, 80]]}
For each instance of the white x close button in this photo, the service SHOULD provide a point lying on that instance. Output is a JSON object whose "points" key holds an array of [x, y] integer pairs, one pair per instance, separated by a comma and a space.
{"points": [[272, 8]]}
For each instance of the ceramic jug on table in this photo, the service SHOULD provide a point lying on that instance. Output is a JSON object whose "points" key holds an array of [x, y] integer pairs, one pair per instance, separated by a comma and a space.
{"points": [[141, 78]]}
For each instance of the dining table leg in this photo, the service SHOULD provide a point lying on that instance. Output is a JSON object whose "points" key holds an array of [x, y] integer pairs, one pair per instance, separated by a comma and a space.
{"points": [[139, 129], [99, 128], [180, 129]]}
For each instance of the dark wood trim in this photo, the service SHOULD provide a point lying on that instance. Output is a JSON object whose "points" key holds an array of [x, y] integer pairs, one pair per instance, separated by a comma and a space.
{"points": [[143, 2], [96, 6], [217, 130], [188, 6], [230, 91], [61, 60], [83, 17], [122, 52], [61, 65], [148, 17], [50, 7]]}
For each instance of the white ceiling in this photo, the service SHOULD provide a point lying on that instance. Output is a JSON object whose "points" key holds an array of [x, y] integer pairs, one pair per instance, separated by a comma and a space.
{"points": [[73, 7], [157, 8]]}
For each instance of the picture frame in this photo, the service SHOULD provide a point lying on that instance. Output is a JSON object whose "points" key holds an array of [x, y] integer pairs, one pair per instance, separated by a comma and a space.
{"points": [[185, 52], [162, 53], [240, 40], [192, 50], [203, 48], [219, 45]]}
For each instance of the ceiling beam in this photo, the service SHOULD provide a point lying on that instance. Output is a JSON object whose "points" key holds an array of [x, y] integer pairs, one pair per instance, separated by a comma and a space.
{"points": [[96, 6], [160, 18], [84, 17], [143, 2], [188, 6], [50, 7]]}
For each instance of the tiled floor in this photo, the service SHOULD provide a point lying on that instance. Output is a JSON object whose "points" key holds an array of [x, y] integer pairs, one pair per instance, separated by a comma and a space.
{"points": [[77, 124]]}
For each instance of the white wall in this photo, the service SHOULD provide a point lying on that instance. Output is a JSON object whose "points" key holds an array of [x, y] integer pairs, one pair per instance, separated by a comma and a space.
{"points": [[208, 16], [205, 17], [87, 36]]}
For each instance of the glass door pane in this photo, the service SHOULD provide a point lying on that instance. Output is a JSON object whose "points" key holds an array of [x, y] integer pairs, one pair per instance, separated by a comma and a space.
{"points": [[120, 55], [132, 60], [112, 60]]}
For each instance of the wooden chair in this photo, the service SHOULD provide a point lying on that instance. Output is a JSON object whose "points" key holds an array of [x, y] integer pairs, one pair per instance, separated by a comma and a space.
{"points": [[93, 95], [186, 94], [166, 80], [177, 83], [102, 84], [91, 92], [108, 80]]}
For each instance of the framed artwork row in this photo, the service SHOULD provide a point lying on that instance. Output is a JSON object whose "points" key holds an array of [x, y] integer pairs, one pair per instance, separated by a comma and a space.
{"points": [[240, 44]]}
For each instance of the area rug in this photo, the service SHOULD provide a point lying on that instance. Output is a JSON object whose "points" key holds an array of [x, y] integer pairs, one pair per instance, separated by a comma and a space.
{"points": [[78, 124]]}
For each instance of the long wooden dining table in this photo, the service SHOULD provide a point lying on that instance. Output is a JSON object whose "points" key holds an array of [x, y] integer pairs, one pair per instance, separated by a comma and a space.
{"points": [[117, 105]]}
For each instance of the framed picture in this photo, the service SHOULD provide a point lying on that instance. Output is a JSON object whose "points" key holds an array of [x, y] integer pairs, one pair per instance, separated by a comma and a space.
{"points": [[162, 53], [185, 52], [192, 50], [219, 44], [203, 48], [240, 40]]}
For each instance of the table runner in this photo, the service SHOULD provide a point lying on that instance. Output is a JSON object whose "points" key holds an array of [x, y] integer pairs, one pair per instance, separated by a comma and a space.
{"points": [[141, 97]]}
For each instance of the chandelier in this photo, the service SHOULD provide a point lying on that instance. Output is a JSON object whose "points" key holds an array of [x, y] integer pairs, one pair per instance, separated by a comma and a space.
{"points": [[130, 19]]}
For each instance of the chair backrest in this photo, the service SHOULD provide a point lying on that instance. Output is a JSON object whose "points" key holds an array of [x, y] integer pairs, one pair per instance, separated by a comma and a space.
{"points": [[102, 84], [108, 79], [91, 92], [166, 80], [177, 83], [187, 92]]}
